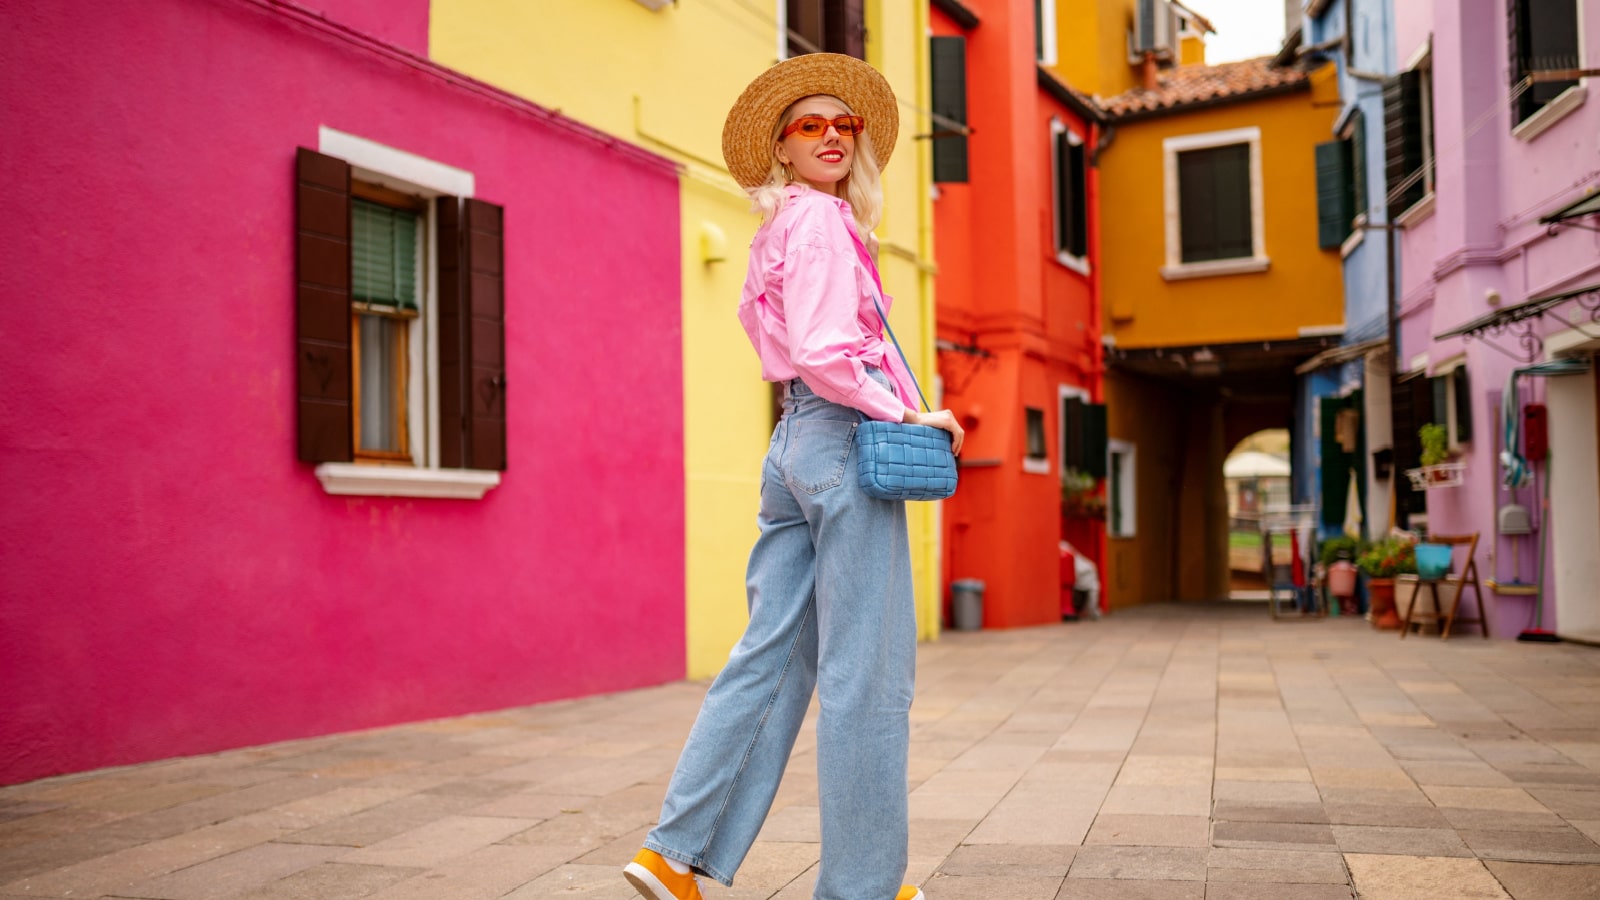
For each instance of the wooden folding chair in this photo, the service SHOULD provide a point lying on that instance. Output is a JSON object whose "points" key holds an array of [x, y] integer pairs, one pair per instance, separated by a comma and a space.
{"points": [[1468, 576]]}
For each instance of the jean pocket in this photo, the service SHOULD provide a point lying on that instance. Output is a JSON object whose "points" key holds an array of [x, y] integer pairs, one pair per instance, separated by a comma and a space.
{"points": [[817, 454]]}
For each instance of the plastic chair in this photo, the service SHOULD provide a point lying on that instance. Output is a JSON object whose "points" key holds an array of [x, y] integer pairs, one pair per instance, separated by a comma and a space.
{"points": [[1468, 576]]}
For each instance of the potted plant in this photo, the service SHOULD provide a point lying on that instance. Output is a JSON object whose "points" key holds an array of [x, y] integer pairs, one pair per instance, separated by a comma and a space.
{"points": [[1080, 495], [1337, 555], [1381, 562], [1435, 450]]}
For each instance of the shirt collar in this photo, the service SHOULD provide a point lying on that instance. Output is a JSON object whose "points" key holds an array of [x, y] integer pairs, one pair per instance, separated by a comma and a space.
{"points": [[794, 190]]}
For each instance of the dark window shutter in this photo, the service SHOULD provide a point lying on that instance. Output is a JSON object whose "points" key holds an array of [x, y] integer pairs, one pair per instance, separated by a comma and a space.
{"points": [[1214, 203], [1078, 208], [1064, 191], [1335, 465], [948, 57], [322, 308], [1095, 439], [1334, 200], [1072, 449], [805, 23], [1358, 164], [472, 382], [1463, 405], [845, 27], [1402, 151]]}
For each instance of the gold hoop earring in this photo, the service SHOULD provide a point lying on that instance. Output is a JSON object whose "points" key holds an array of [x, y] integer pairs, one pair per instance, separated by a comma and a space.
{"points": [[788, 172]]}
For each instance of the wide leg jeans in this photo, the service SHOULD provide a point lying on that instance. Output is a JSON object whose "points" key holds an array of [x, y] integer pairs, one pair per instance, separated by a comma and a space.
{"points": [[831, 609]]}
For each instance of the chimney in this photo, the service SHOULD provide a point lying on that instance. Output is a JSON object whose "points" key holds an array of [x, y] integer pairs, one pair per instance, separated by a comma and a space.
{"points": [[1148, 71]]}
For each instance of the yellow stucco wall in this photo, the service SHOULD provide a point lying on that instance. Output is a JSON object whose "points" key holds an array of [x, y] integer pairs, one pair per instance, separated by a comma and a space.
{"points": [[1092, 46], [1301, 289], [665, 80]]}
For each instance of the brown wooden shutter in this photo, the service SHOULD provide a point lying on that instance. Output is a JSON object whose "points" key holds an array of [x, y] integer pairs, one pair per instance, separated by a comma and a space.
{"points": [[472, 378], [322, 308], [846, 27], [805, 26]]}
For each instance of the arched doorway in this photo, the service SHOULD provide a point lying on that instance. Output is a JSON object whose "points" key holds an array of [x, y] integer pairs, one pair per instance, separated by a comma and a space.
{"points": [[1256, 476]]}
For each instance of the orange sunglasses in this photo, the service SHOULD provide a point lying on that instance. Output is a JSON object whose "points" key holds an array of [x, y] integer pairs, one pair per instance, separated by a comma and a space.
{"points": [[813, 127]]}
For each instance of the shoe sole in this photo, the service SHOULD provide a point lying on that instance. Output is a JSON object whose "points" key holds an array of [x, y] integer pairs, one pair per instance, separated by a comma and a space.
{"points": [[646, 883]]}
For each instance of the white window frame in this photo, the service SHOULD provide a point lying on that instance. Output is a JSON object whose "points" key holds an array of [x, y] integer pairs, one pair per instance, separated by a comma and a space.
{"points": [[409, 173], [1079, 264], [1127, 482], [1176, 269], [1452, 424], [1047, 25], [1036, 465], [1064, 392]]}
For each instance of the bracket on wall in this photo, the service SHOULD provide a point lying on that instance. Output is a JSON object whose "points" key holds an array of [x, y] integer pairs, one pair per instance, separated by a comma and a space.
{"points": [[1519, 322]]}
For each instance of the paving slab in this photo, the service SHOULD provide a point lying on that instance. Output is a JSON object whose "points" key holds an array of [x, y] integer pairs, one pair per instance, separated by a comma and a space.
{"points": [[1176, 752]]}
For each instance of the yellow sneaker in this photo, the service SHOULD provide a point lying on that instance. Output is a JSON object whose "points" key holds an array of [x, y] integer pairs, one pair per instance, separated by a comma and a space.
{"points": [[653, 878], [909, 892]]}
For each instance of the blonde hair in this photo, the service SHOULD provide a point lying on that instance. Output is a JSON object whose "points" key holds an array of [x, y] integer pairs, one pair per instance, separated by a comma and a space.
{"points": [[862, 187]]}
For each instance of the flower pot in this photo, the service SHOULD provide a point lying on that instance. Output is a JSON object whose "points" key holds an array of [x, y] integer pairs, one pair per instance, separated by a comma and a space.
{"points": [[1342, 579], [1433, 561], [1380, 591]]}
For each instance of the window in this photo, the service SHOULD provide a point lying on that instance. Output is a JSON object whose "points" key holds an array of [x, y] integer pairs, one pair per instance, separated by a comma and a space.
{"points": [[1071, 198], [1408, 137], [1120, 490], [949, 64], [1083, 434], [1038, 458], [1542, 36], [1044, 32], [1335, 194], [384, 302], [400, 368], [1358, 162], [1214, 222], [825, 26]]}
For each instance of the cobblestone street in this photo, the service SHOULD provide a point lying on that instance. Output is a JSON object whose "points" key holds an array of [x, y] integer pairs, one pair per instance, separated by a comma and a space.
{"points": [[1166, 752]]}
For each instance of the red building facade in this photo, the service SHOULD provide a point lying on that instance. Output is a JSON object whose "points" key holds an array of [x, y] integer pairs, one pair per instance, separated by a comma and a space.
{"points": [[1018, 308]]}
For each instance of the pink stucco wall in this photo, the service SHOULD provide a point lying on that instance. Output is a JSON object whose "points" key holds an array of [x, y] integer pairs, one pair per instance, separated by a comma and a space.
{"points": [[403, 23], [1485, 236], [173, 580]]}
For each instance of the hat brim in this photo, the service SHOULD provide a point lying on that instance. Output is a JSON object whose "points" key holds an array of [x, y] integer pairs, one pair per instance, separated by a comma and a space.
{"points": [[747, 134]]}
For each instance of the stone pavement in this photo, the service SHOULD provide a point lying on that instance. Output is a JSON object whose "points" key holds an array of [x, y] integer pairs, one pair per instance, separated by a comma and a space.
{"points": [[1164, 752]]}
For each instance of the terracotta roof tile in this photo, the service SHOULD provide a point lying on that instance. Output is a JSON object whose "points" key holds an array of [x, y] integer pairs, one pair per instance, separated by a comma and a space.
{"points": [[1188, 85]]}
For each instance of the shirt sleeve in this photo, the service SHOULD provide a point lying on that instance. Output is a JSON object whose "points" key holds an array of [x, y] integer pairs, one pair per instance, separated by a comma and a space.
{"points": [[820, 297]]}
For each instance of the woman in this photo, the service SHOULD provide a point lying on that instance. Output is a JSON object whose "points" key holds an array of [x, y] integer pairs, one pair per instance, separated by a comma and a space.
{"points": [[830, 576]]}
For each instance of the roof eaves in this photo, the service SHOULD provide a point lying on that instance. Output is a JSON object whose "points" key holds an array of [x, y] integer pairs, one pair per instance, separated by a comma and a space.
{"points": [[959, 11], [1224, 100], [1074, 101]]}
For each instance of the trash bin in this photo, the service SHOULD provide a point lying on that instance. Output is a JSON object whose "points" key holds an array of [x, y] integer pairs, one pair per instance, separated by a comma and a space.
{"points": [[966, 604]]}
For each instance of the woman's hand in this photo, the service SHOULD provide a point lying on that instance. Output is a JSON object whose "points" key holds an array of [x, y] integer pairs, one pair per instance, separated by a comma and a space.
{"points": [[939, 418]]}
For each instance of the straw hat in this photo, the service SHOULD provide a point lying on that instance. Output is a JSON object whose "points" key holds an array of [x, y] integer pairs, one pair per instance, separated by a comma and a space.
{"points": [[747, 135]]}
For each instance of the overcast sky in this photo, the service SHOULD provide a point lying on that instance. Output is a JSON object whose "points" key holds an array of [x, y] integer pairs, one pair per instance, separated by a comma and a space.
{"points": [[1245, 28]]}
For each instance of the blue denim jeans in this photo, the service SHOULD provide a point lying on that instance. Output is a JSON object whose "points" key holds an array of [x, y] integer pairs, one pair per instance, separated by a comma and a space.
{"points": [[831, 609]]}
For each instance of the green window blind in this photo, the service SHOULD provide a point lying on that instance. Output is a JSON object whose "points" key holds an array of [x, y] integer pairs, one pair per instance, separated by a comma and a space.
{"points": [[383, 255], [1214, 205]]}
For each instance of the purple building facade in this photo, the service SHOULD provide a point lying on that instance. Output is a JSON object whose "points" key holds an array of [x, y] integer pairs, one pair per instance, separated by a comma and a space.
{"points": [[1493, 177]]}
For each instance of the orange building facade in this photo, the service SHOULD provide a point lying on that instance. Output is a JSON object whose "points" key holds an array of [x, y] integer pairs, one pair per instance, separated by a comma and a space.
{"points": [[1017, 306]]}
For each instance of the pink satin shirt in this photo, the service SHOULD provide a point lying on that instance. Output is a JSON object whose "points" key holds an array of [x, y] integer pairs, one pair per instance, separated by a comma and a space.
{"points": [[807, 307]]}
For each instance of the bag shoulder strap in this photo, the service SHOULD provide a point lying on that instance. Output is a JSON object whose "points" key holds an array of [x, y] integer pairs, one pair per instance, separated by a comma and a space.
{"points": [[866, 260]]}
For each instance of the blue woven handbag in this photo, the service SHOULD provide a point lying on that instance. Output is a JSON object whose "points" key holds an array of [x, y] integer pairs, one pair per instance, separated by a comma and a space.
{"points": [[898, 461]]}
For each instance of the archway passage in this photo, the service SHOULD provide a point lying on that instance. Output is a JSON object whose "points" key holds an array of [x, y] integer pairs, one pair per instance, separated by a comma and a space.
{"points": [[1256, 474]]}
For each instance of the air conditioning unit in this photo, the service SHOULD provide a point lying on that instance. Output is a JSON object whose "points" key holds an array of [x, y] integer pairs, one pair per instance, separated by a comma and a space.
{"points": [[1155, 30]]}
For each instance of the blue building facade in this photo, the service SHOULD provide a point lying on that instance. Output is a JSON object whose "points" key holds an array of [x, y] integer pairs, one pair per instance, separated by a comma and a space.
{"points": [[1355, 379]]}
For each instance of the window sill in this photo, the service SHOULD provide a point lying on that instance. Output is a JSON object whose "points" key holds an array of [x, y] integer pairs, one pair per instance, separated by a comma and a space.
{"points": [[1216, 267], [1077, 264], [1419, 211], [1036, 466], [404, 481], [1352, 242], [1553, 112]]}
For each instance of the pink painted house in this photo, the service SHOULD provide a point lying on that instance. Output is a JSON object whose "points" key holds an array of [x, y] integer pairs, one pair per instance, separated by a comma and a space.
{"points": [[1494, 170], [341, 390]]}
